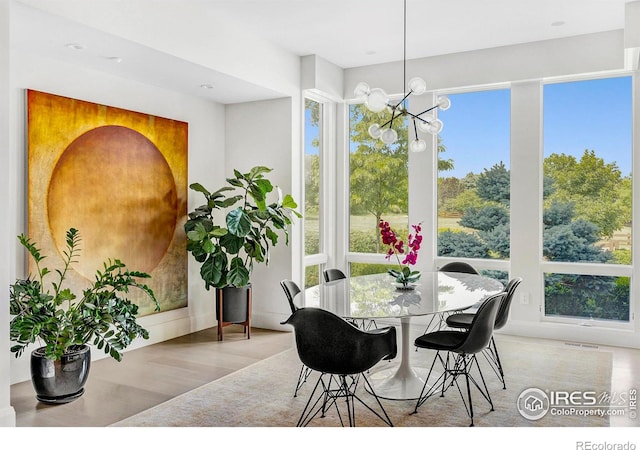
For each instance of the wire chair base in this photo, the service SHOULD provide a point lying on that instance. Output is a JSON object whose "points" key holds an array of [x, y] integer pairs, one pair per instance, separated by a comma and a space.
{"points": [[334, 388], [459, 366]]}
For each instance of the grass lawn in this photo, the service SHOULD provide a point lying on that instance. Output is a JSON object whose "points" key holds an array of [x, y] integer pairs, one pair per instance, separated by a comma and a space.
{"points": [[368, 222], [397, 222]]}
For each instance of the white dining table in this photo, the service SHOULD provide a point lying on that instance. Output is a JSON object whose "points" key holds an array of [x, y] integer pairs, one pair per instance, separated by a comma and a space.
{"points": [[376, 297]]}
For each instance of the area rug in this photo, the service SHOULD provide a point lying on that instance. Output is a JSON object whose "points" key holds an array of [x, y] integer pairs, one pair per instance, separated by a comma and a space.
{"points": [[261, 395]]}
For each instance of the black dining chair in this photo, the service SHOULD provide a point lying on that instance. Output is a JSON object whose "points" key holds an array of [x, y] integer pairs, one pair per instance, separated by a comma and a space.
{"points": [[291, 290], [458, 266], [342, 354], [461, 348], [330, 275], [334, 275], [452, 267], [464, 319]]}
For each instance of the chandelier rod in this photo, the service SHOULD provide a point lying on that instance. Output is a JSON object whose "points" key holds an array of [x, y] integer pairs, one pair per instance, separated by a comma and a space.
{"points": [[404, 54], [376, 100]]}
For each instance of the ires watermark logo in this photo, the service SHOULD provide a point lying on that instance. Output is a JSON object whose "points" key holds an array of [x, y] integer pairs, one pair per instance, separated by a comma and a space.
{"points": [[534, 403]]}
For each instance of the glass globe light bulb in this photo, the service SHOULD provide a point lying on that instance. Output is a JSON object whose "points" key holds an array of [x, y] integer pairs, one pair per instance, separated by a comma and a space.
{"points": [[417, 85], [424, 124], [435, 126], [389, 136], [377, 100], [361, 89], [375, 131], [418, 146], [444, 103]]}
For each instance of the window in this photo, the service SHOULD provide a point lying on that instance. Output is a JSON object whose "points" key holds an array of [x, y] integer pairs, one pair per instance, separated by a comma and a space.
{"points": [[587, 197], [378, 182], [474, 176], [313, 113]]}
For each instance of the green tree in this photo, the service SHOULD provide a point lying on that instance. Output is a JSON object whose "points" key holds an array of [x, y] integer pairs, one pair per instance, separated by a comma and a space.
{"points": [[378, 172], [467, 199], [485, 207], [461, 244], [311, 184], [569, 239], [448, 189], [443, 164], [593, 186], [495, 184], [486, 218]]}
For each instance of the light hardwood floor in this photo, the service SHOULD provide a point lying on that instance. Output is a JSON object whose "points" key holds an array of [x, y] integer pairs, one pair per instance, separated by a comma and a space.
{"points": [[151, 375]]}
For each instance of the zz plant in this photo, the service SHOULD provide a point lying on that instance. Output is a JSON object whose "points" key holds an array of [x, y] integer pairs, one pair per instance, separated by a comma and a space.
{"points": [[61, 320], [227, 251]]}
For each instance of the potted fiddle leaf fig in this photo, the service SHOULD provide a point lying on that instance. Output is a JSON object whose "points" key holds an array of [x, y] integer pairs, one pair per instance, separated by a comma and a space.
{"points": [[227, 251], [65, 324]]}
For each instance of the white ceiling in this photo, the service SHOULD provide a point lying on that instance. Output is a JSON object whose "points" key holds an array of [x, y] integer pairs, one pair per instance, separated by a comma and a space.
{"points": [[352, 33], [349, 33]]}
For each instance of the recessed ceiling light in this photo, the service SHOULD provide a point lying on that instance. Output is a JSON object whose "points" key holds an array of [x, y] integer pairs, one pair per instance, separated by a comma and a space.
{"points": [[206, 86], [75, 46], [558, 23]]}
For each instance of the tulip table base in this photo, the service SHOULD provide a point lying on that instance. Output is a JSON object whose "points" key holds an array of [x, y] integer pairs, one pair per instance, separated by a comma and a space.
{"points": [[403, 381]]}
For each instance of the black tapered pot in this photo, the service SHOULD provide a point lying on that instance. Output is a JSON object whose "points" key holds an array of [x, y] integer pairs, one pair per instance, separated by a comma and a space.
{"points": [[234, 304], [60, 381]]}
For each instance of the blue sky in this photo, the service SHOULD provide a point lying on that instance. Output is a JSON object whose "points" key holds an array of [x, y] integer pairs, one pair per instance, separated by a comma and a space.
{"points": [[579, 115], [476, 131], [594, 115], [310, 133]]}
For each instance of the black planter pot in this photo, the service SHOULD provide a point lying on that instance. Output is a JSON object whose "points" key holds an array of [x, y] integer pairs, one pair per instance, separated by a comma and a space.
{"points": [[233, 305], [60, 381]]}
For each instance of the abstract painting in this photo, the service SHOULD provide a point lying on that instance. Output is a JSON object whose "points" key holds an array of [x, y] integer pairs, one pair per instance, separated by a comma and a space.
{"points": [[120, 178]]}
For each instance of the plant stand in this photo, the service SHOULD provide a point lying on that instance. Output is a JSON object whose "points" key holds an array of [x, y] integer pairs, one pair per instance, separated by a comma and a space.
{"points": [[233, 306]]}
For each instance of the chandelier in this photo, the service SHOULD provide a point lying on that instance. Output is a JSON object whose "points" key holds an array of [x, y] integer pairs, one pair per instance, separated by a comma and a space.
{"points": [[377, 100]]}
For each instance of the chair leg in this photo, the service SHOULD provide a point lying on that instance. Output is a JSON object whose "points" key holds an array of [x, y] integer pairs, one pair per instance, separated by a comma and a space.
{"points": [[306, 415], [302, 378], [498, 362], [485, 392], [466, 376], [462, 365], [336, 387], [469, 362], [386, 418], [351, 413], [493, 358], [438, 384]]}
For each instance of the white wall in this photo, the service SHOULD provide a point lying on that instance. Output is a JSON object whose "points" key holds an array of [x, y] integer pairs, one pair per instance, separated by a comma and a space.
{"points": [[7, 414], [206, 163], [558, 57], [267, 133]]}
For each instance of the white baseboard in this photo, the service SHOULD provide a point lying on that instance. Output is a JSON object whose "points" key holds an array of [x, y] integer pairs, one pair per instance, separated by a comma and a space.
{"points": [[572, 333]]}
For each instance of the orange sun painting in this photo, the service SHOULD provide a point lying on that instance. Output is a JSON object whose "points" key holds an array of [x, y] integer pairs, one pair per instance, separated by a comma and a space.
{"points": [[120, 178]]}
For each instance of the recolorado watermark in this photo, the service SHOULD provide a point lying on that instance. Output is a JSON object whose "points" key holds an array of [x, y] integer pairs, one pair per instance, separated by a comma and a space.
{"points": [[535, 403], [589, 445]]}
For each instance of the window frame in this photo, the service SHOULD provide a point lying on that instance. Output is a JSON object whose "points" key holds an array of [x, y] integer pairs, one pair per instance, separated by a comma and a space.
{"points": [[594, 269], [478, 263], [326, 152]]}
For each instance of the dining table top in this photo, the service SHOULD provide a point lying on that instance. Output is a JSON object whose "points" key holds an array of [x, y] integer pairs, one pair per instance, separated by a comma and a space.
{"points": [[379, 296]]}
